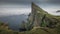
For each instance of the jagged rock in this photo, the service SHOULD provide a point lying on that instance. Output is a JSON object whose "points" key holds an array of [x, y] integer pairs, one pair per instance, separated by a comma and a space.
{"points": [[40, 18]]}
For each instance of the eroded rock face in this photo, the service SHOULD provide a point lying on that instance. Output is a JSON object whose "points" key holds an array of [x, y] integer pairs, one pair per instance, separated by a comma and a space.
{"points": [[37, 15], [39, 18]]}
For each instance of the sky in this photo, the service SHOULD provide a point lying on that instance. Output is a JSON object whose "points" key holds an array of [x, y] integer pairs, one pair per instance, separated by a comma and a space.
{"points": [[17, 7]]}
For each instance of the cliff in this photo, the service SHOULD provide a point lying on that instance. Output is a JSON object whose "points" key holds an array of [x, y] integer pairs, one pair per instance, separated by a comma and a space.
{"points": [[40, 18]]}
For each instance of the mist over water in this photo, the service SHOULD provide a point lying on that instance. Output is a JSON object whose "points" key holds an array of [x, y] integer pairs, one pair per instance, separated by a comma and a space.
{"points": [[14, 21]]}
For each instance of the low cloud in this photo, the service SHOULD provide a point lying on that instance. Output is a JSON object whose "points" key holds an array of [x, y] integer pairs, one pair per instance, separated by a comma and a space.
{"points": [[14, 11]]}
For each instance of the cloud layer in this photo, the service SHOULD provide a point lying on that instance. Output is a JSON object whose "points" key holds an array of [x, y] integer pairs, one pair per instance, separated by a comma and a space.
{"points": [[13, 7]]}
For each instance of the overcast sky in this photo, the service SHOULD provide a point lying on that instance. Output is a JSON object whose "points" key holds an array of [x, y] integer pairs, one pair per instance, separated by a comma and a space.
{"points": [[16, 7]]}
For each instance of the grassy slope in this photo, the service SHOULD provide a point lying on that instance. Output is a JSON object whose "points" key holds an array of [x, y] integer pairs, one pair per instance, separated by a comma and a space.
{"points": [[5, 30], [48, 30], [42, 12]]}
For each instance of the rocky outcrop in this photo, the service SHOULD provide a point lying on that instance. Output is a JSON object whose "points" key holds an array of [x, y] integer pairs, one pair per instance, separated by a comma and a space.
{"points": [[40, 18]]}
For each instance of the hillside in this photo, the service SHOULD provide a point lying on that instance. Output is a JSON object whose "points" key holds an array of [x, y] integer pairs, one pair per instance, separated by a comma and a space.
{"points": [[40, 18], [5, 30], [47, 23]]}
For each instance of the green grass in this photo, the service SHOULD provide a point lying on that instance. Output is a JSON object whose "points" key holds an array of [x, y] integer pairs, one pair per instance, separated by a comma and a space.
{"points": [[5, 30]]}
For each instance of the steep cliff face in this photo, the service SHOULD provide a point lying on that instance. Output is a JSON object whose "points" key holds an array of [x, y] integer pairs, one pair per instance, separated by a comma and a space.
{"points": [[40, 18]]}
